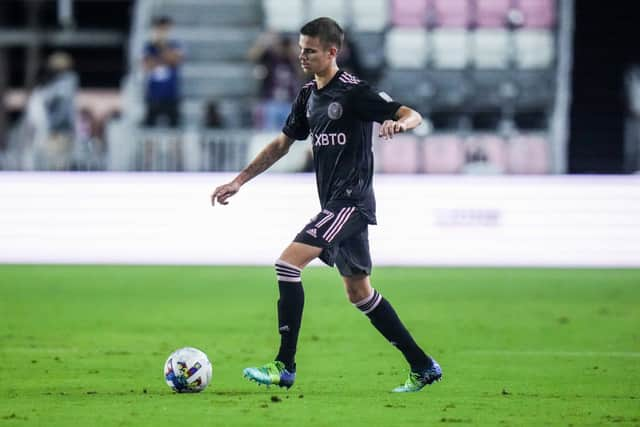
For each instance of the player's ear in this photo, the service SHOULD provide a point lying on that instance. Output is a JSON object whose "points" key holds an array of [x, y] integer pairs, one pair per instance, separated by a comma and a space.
{"points": [[333, 51]]}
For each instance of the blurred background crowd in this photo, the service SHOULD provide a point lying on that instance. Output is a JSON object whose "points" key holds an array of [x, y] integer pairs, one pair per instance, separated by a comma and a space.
{"points": [[505, 86]]}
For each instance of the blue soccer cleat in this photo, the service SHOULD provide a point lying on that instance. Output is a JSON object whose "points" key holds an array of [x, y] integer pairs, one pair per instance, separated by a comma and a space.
{"points": [[273, 373], [417, 380]]}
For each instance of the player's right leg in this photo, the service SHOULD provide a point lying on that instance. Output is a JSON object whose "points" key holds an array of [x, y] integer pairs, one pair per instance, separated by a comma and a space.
{"points": [[319, 238], [282, 371]]}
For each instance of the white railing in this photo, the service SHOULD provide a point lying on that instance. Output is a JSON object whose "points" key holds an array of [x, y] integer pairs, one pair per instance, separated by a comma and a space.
{"points": [[131, 148], [171, 150], [559, 128]]}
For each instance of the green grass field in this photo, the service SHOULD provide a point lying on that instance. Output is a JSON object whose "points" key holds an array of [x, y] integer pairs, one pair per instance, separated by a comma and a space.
{"points": [[86, 345]]}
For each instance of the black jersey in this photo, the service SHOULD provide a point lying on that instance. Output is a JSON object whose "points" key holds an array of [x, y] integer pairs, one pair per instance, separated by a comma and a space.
{"points": [[339, 117]]}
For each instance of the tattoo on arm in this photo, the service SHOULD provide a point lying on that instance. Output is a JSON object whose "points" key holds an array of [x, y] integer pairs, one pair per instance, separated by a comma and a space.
{"points": [[267, 157]]}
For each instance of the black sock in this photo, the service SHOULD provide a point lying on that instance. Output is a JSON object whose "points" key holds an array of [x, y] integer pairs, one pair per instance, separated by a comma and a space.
{"points": [[386, 321], [290, 306]]}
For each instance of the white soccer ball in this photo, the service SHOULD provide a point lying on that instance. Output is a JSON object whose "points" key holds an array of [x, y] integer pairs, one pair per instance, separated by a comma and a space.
{"points": [[188, 370]]}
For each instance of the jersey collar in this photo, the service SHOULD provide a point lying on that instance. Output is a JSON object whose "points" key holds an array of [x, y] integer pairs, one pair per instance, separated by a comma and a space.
{"points": [[331, 82]]}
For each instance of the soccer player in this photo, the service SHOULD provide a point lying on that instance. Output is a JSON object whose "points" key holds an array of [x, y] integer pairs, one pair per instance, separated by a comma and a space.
{"points": [[337, 110]]}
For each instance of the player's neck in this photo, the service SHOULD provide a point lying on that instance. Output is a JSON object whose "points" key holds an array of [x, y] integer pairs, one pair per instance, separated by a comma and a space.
{"points": [[324, 77]]}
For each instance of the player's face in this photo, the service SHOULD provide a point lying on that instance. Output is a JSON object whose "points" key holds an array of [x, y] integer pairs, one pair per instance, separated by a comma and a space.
{"points": [[314, 57], [161, 32]]}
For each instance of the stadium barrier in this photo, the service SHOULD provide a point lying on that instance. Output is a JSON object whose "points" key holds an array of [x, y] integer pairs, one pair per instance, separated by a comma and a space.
{"points": [[150, 218], [167, 150]]}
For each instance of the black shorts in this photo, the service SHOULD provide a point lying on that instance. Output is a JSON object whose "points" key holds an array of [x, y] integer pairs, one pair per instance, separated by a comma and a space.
{"points": [[342, 231]]}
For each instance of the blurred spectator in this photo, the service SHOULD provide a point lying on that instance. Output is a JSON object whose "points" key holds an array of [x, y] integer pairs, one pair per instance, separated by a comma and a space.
{"points": [[212, 117], [162, 59], [50, 113], [86, 125], [88, 143], [349, 59], [477, 162], [279, 70]]}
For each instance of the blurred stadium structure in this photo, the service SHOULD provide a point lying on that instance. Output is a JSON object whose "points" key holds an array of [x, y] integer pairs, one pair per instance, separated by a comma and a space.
{"points": [[491, 77]]}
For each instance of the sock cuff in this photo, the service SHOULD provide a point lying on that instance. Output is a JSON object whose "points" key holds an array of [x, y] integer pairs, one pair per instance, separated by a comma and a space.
{"points": [[368, 304], [287, 272]]}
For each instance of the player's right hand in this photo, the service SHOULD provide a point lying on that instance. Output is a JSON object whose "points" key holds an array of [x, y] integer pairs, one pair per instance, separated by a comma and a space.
{"points": [[223, 192]]}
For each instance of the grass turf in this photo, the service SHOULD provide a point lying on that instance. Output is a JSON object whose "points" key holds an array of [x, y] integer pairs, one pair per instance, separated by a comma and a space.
{"points": [[85, 345]]}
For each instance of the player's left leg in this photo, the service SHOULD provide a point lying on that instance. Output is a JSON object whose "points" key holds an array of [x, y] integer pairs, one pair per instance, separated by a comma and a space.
{"points": [[354, 264], [385, 319], [424, 370]]}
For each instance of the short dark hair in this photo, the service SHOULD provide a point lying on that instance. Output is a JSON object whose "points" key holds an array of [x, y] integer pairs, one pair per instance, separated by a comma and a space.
{"points": [[162, 20], [326, 29]]}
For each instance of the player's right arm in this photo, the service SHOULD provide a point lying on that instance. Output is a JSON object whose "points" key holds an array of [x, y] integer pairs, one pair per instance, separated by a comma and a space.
{"points": [[295, 128], [263, 161]]}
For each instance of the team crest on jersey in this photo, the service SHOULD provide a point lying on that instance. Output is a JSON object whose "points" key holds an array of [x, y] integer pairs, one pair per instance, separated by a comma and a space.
{"points": [[334, 111]]}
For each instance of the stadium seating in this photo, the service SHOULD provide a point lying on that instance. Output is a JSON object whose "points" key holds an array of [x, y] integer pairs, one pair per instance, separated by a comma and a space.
{"points": [[399, 155], [407, 86], [475, 64], [447, 121], [485, 154], [490, 48], [487, 119], [216, 44], [370, 15], [220, 80], [443, 154], [532, 120], [538, 13], [284, 15], [493, 89], [492, 13], [409, 13], [528, 154], [534, 48], [450, 48], [449, 89], [336, 9], [406, 48], [368, 44], [535, 89], [451, 13], [198, 13], [236, 113], [192, 111], [216, 37]]}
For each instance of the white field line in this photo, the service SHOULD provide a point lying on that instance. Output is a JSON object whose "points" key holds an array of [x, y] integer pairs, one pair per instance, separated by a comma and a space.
{"points": [[38, 350], [631, 354]]}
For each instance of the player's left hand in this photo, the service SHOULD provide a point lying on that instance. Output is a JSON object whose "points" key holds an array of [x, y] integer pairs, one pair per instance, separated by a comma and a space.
{"points": [[390, 128]]}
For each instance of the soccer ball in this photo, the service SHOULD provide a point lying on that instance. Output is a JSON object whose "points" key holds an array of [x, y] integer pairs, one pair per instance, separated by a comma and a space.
{"points": [[188, 370]]}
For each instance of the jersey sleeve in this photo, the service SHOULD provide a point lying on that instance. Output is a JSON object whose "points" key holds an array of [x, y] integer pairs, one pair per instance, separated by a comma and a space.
{"points": [[297, 126], [372, 106]]}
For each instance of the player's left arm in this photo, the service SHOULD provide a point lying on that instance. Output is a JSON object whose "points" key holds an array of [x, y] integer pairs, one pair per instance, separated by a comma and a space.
{"points": [[405, 119]]}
